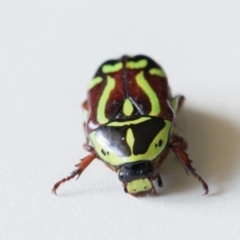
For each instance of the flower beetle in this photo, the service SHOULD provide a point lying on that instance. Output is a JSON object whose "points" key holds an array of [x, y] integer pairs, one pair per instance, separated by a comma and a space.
{"points": [[130, 117]]}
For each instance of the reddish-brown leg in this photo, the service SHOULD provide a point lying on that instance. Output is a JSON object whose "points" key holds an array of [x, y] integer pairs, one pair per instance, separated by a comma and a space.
{"points": [[87, 147], [85, 105], [80, 168], [178, 146], [180, 102]]}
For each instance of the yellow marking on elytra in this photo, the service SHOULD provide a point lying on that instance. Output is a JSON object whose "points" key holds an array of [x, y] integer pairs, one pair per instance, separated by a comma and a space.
{"points": [[130, 138], [107, 68], [137, 65], [115, 160], [144, 85], [139, 185], [127, 107], [94, 82], [101, 117], [136, 121], [157, 71]]}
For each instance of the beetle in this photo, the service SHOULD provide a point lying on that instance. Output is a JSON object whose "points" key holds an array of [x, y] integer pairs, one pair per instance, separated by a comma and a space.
{"points": [[129, 122]]}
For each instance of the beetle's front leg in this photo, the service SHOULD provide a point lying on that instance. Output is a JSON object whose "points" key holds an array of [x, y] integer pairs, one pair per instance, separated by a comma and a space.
{"points": [[80, 168], [178, 146]]}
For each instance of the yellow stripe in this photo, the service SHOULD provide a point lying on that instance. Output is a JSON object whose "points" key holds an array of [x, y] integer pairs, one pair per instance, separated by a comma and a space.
{"points": [[157, 71], [136, 121], [130, 139], [137, 65], [142, 82], [101, 117], [112, 68], [113, 159], [127, 107], [94, 82]]}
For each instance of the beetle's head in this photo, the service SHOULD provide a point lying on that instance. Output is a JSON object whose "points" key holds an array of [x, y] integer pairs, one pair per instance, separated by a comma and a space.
{"points": [[136, 178]]}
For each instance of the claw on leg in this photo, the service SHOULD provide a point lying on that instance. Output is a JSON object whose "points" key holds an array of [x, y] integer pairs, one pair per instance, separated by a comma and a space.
{"points": [[80, 168]]}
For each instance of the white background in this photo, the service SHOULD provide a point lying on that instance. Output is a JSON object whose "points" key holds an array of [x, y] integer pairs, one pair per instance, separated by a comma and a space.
{"points": [[49, 51]]}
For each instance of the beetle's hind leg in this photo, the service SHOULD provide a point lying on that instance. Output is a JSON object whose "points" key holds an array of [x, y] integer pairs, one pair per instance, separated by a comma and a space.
{"points": [[178, 146], [80, 168]]}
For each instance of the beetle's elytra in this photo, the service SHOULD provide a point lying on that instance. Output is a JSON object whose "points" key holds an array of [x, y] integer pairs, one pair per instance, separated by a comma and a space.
{"points": [[130, 117]]}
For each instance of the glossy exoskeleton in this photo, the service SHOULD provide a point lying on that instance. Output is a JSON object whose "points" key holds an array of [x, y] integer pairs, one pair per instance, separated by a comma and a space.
{"points": [[130, 117]]}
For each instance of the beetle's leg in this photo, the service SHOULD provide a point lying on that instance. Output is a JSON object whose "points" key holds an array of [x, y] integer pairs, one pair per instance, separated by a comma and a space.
{"points": [[159, 181], [178, 146], [125, 187], [177, 102], [80, 168], [84, 105], [179, 142], [88, 147], [154, 192]]}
